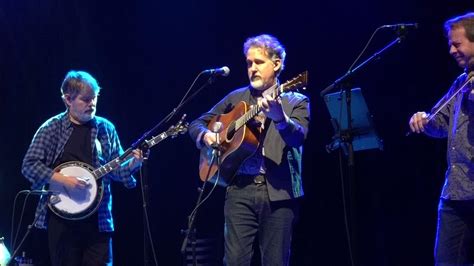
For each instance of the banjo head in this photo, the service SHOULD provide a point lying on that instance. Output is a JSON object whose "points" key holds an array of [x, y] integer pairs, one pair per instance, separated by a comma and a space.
{"points": [[75, 204]]}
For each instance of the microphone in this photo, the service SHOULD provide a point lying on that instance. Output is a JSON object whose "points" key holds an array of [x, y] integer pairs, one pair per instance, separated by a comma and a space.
{"points": [[223, 71], [217, 128], [401, 26], [42, 192]]}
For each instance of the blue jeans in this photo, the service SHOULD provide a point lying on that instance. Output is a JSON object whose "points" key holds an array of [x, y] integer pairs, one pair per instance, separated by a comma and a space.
{"points": [[249, 214], [455, 235]]}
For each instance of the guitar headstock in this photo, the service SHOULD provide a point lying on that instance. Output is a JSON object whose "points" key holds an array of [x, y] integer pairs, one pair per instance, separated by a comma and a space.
{"points": [[298, 82], [180, 128]]}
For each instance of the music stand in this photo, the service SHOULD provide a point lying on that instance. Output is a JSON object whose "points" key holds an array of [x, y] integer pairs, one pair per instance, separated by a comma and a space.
{"points": [[363, 133], [354, 131]]}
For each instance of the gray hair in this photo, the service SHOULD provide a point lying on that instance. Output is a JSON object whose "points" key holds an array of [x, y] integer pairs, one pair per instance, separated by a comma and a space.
{"points": [[270, 44], [77, 81], [466, 21]]}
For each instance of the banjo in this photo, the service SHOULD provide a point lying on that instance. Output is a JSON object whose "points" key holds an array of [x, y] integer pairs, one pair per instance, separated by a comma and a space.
{"points": [[77, 204]]}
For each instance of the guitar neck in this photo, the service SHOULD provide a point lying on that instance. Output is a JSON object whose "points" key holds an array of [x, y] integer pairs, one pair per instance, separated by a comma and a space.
{"points": [[241, 121], [117, 162], [255, 109]]}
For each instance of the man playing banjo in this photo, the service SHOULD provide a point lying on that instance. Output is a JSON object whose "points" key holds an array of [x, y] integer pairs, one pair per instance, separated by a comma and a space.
{"points": [[63, 154]]}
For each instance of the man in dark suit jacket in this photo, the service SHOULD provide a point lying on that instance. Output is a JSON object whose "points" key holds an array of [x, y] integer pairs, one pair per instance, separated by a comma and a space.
{"points": [[261, 199]]}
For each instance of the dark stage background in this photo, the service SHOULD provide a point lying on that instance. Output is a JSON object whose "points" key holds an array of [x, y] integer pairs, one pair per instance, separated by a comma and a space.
{"points": [[145, 54]]}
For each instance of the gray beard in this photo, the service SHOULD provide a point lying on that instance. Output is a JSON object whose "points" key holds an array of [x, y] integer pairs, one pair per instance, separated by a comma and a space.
{"points": [[258, 85]]}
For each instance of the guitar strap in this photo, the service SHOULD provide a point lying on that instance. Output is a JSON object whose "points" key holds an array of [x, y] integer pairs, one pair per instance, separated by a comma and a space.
{"points": [[265, 128], [261, 118]]}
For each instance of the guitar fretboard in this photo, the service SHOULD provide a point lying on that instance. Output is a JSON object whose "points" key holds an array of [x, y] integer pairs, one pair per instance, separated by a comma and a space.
{"points": [[241, 121]]}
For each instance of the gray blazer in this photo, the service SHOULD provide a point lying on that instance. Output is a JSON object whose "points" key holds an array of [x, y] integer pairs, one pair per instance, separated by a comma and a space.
{"points": [[283, 147]]}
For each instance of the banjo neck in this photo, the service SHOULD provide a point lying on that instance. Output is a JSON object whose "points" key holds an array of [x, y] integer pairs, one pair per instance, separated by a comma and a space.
{"points": [[117, 162]]}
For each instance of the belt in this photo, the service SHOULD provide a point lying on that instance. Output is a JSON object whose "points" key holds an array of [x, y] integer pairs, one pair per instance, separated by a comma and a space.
{"points": [[242, 180], [259, 179]]}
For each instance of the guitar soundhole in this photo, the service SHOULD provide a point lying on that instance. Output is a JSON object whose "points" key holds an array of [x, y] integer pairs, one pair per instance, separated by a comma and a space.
{"points": [[230, 131]]}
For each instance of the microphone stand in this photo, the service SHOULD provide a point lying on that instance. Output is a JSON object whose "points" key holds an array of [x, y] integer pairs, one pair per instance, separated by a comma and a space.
{"points": [[141, 142], [15, 252], [346, 137], [191, 231], [375, 56], [146, 199]]}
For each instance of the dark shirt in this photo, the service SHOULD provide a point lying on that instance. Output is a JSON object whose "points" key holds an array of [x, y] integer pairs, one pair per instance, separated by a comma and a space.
{"points": [[78, 146]]}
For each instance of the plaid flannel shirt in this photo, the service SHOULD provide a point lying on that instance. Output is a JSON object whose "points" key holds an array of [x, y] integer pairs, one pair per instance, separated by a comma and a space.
{"points": [[48, 145]]}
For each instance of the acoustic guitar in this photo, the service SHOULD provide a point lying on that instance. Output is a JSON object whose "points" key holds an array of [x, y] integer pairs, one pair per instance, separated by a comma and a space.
{"points": [[237, 139]]}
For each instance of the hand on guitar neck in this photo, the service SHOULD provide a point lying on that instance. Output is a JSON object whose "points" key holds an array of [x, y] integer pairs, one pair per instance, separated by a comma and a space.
{"points": [[137, 160], [272, 109]]}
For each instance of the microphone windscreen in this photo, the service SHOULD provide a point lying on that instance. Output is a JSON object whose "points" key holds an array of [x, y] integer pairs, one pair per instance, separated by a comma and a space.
{"points": [[217, 127]]}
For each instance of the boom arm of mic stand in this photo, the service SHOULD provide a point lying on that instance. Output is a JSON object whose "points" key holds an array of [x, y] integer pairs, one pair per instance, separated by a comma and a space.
{"points": [[138, 143], [351, 72]]}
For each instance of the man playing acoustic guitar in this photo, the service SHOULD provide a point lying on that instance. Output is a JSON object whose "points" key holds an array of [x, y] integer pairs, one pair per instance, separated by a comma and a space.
{"points": [[77, 138], [266, 153]]}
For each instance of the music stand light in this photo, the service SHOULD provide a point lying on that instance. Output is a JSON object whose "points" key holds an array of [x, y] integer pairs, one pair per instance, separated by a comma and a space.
{"points": [[4, 254]]}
